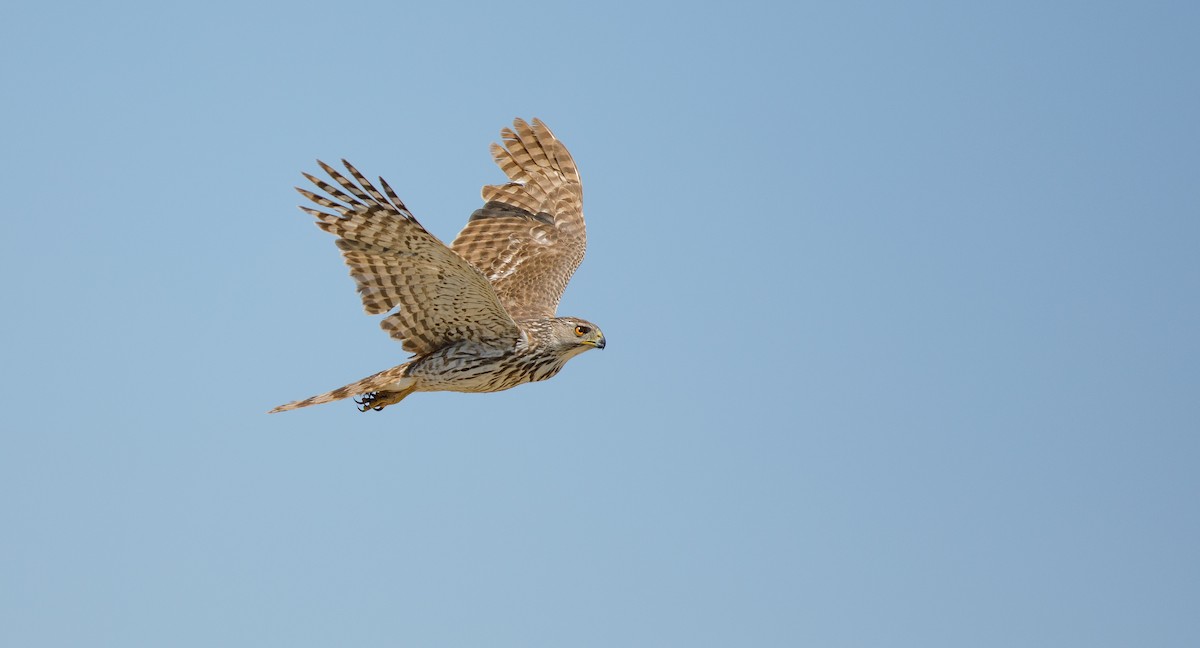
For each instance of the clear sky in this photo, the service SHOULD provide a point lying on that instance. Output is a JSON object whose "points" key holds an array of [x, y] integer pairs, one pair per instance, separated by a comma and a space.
{"points": [[901, 306]]}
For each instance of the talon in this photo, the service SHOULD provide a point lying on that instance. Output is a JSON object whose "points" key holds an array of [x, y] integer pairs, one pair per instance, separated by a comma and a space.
{"points": [[378, 400], [367, 400]]}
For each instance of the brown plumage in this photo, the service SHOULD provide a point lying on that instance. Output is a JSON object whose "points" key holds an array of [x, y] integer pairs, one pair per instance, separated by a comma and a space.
{"points": [[479, 315]]}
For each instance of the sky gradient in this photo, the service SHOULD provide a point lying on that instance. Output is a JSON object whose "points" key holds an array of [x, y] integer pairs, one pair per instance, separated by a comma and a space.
{"points": [[901, 308]]}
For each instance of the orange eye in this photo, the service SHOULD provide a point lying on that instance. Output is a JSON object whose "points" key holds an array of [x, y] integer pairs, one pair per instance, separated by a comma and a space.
{"points": [[581, 330]]}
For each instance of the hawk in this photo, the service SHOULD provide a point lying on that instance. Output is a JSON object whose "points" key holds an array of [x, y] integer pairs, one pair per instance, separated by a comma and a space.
{"points": [[478, 315]]}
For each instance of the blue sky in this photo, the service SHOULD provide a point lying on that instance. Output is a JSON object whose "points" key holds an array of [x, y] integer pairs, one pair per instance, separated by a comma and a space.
{"points": [[901, 307]]}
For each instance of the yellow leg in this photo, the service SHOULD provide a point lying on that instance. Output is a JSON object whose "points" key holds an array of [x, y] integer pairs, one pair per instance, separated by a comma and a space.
{"points": [[378, 400]]}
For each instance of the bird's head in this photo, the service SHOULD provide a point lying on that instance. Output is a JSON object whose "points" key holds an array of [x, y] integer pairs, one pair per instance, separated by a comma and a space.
{"points": [[575, 335]]}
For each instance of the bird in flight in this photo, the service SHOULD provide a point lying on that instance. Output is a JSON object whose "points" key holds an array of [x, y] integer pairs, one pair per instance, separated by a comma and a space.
{"points": [[477, 315]]}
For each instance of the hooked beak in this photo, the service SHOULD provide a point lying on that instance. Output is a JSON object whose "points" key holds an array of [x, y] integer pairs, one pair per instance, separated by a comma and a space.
{"points": [[598, 342]]}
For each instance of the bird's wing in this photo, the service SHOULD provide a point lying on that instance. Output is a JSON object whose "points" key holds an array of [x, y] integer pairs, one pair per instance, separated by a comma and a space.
{"points": [[529, 236], [395, 262]]}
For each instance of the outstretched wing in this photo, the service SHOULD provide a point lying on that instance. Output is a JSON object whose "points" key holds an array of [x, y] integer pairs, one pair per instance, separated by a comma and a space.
{"points": [[529, 236], [395, 262]]}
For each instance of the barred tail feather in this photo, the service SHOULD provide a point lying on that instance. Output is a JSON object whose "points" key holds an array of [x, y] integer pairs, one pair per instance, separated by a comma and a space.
{"points": [[393, 378]]}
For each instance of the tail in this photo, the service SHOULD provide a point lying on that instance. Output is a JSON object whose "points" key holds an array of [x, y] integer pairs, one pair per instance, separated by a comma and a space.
{"points": [[400, 386]]}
